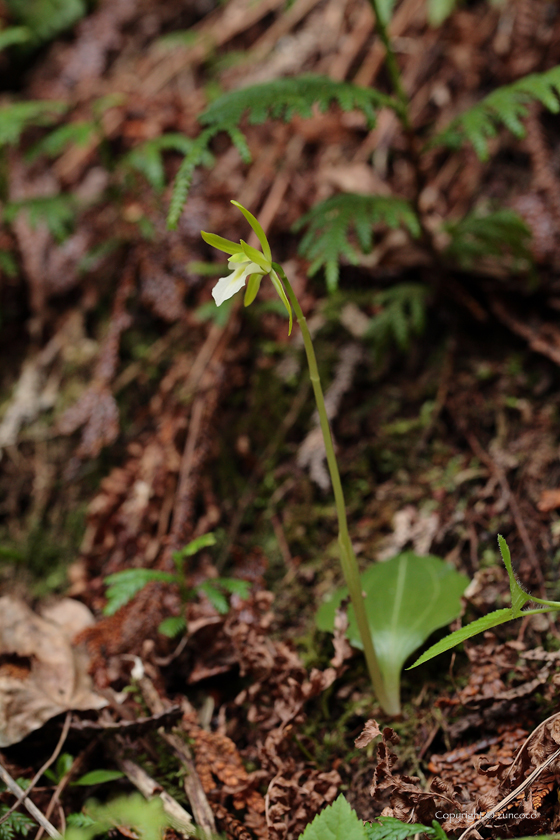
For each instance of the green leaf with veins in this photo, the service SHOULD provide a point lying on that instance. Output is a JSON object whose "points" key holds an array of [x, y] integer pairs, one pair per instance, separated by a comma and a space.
{"points": [[338, 821], [406, 598]]}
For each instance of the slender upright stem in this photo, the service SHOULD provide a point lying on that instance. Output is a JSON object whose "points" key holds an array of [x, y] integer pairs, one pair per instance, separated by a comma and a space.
{"points": [[392, 65], [349, 563]]}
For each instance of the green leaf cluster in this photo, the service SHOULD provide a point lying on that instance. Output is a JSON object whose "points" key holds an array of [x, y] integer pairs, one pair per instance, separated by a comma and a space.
{"points": [[146, 819], [45, 19], [17, 116], [331, 223], [406, 599], [499, 234], [147, 158], [16, 823], [506, 106], [339, 821], [57, 211], [278, 99], [401, 315], [124, 585], [14, 35]]}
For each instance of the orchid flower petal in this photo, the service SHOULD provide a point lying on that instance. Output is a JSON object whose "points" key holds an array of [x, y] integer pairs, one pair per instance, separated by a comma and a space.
{"points": [[220, 243], [255, 224], [226, 287], [256, 256]]}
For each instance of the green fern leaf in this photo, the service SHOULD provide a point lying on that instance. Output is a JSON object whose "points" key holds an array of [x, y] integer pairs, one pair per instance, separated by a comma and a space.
{"points": [[148, 157], [16, 117], [279, 99], [58, 211], [401, 315], [505, 106], [499, 234], [198, 155], [124, 585], [14, 35], [331, 222], [46, 18], [16, 823], [75, 133], [282, 98]]}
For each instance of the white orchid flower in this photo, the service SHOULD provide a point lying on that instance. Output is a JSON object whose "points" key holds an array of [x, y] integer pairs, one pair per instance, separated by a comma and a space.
{"points": [[247, 266]]}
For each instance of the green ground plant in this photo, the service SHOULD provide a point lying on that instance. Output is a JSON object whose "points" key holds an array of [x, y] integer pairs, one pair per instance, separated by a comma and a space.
{"points": [[406, 599], [124, 585], [343, 227], [519, 599], [340, 822]]}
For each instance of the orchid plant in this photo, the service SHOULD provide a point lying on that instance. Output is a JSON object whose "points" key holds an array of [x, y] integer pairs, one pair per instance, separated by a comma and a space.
{"points": [[248, 266]]}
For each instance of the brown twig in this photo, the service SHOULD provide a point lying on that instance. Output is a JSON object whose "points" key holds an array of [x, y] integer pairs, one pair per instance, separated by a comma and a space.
{"points": [[13, 786], [46, 765]]}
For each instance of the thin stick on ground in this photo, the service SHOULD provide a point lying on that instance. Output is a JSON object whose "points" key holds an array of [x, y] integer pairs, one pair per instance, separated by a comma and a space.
{"points": [[13, 786], [46, 765]]}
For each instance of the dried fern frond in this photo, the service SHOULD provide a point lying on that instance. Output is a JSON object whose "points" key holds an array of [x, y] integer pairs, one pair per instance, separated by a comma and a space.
{"points": [[278, 99], [505, 106], [331, 223], [501, 234]]}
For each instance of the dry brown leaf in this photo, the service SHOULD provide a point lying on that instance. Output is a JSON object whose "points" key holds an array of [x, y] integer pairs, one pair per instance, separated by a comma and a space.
{"points": [[41, 673]]}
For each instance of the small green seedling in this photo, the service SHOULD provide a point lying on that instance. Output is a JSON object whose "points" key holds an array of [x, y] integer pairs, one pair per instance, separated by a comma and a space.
{"points": [[123, 586], [340, 822], [518, 600], [147, 820], [421, 592]]}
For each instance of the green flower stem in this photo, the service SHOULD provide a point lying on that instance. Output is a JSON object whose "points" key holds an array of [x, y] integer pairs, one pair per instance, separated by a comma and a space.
{"points": [[392, 65], [389, 704]]}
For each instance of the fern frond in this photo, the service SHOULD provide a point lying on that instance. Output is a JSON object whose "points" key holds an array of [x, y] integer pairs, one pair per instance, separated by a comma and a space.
{"points": [[279, 99], [16, 823], [198, 155], [14, 35], [148, 157], [330, 223], [505, 106], [58, 211], [74, 133], [401, 315], [499, 234], [16, 117], [46, 18], [282, 98]]}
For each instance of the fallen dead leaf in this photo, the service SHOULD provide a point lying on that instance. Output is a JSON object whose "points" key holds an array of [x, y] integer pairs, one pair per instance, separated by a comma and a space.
{"points": [[41, 673]]}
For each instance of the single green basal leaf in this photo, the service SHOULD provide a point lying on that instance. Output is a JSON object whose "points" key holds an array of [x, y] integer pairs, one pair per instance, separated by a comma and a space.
{"points": [[99, 777], [335, 822], [486, 622], [406, 599]]}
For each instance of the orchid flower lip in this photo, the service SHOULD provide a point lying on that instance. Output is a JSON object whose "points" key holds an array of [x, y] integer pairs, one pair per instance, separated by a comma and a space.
{"points": [[227, 286]]}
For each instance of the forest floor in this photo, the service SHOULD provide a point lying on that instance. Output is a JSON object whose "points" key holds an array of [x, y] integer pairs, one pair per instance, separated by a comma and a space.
{"points": [[137, 417]]}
